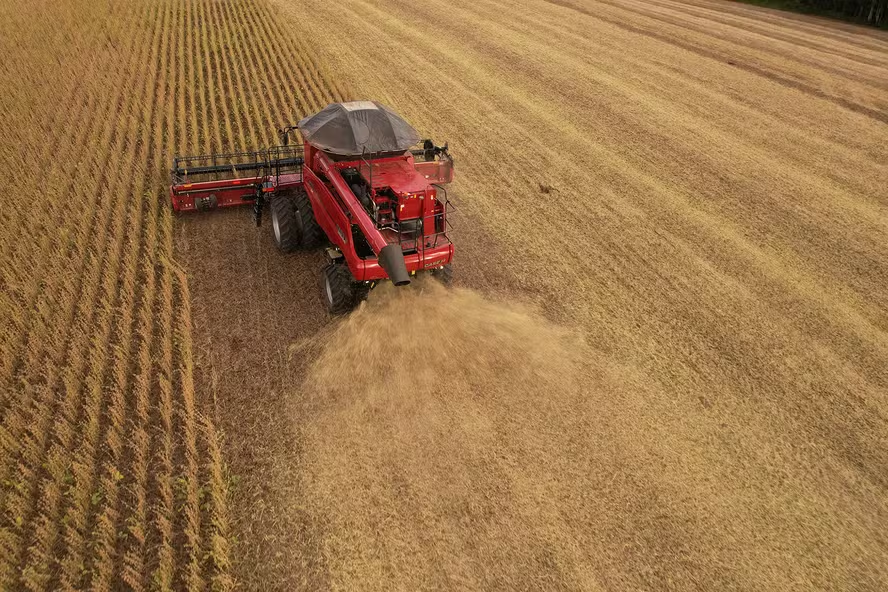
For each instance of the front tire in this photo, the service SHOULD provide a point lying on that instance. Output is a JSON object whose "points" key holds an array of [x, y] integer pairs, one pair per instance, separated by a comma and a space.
{"points": [[338, 289], [293, 222], [287, 232], [444, 275]]}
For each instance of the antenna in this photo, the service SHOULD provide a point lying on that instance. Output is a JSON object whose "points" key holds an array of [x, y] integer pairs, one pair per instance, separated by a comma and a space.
{"points": [[284, 133], [368, 163]]}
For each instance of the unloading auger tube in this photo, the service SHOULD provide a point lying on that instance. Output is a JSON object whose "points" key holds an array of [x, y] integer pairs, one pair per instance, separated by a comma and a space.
{"points": [[390, 255]]}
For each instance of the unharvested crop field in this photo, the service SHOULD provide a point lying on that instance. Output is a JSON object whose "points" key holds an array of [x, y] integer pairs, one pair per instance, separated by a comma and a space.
{"points": [[663, 366]]}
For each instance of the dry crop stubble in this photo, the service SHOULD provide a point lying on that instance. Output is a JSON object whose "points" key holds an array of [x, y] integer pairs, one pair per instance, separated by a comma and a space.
{"points": [[248, 304], [108, 477], [716, 221]]}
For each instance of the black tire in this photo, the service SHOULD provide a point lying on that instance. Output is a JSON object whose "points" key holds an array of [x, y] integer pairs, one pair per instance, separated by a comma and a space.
{"points": [[285, 224], [361, 292], [444, 275], [312, 235], [338, 289], [293, 222]]}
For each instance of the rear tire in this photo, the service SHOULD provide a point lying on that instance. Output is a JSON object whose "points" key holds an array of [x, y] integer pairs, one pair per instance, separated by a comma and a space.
{"points": [[444, 275], [284, 224], [338, 289]]}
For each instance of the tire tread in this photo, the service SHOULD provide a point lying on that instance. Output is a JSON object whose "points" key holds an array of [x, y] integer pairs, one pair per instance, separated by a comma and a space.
{"points": [[284, 210], [341, 286]]}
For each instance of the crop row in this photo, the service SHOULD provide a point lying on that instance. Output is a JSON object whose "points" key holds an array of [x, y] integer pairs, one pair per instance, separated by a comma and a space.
{"points": [[111, 473]]}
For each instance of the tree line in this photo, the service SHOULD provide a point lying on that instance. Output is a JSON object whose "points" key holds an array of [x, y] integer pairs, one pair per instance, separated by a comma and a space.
{"points": [[872, 12]]}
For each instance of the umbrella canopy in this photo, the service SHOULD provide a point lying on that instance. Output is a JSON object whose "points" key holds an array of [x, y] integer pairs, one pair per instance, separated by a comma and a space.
{"points": [[358, 127]]}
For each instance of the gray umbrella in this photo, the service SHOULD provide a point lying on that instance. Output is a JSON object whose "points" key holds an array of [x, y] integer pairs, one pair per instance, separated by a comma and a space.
{"points": [[358, 127]]}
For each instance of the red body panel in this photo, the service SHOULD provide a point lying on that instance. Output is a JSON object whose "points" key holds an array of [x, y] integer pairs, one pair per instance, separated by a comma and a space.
{"points": [[330, 206], [331, 216], [351, 203], [229, 192], [403, 184], [398, 172], [369, 269]]}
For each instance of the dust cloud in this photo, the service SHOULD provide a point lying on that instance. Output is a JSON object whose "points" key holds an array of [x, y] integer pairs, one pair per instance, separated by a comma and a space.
{"points": [[403, 345], [447, 439]]}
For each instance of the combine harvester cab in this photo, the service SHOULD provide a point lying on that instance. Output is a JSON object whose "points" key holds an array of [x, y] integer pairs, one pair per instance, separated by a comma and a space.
{"points": [[359, 183]]}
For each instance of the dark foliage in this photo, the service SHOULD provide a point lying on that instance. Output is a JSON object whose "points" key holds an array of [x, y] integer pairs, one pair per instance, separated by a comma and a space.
{"points": [[872, 12]]}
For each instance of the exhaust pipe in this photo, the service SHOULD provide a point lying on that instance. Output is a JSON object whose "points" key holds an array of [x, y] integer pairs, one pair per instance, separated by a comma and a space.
{"points": [[391, 258]]}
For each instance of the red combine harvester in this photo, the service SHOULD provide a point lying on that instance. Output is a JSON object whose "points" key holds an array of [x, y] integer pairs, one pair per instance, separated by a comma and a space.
{"points": [[357, 182]]}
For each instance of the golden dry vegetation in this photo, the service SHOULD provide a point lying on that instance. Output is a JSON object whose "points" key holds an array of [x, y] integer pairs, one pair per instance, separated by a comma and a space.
{"points": [[111, 471], [663, 366], [696, 190]]}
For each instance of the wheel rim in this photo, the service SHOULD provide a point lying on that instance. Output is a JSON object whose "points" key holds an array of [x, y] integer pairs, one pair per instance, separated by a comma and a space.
{"points": [[329, 289], [277, 227]]}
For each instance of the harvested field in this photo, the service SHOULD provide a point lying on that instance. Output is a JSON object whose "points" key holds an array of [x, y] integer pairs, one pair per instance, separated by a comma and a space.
{"points": [[713, 227], [663, 366]]}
